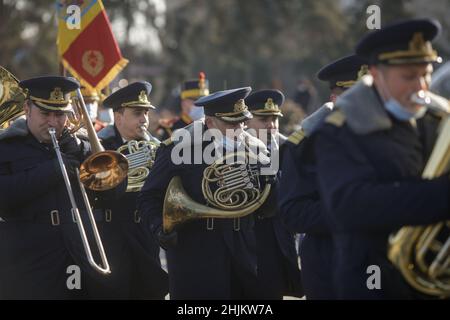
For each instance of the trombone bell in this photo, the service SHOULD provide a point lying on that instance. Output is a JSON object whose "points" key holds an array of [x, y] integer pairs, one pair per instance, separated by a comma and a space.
{"points": [[103, 170]]}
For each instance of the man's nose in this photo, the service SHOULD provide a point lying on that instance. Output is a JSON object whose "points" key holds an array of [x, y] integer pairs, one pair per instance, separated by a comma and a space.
{"points": [[51, 120], [143, 119]]}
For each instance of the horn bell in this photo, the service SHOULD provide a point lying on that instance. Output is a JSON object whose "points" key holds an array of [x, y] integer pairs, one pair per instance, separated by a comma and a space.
{"points": [[179, 207]]}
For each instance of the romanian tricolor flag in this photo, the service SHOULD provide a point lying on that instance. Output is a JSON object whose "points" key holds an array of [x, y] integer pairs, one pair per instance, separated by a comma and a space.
{"points": [[90, 53]]}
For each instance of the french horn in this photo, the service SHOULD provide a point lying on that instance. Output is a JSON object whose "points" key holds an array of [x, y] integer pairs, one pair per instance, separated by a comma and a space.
{"points": [[141, 157], [232, 187]]}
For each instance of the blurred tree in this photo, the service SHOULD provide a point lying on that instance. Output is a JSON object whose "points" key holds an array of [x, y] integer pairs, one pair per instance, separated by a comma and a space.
{"points": [[28, 37], [261, 43], [438, 10]]}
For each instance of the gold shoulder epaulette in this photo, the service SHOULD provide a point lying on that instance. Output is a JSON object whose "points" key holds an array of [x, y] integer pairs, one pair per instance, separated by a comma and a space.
{"points": [[336, 118], [167, 142], [297, 136]]}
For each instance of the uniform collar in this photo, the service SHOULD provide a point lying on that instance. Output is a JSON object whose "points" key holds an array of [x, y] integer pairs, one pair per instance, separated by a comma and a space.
{"points": [[18, 128], [363, 108]]}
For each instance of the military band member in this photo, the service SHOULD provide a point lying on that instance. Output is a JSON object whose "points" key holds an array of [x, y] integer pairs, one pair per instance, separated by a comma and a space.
{"points": [[370, 154], [133, 251], [191, 90], [208, 258], [278, 270], [92, 99], [40, 244], [302, 209]]}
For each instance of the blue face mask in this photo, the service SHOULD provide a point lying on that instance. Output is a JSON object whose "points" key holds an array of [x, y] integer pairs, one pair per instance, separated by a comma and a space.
{"points": [[106, 115], [92, 110], [401, 113], [196, 113]]}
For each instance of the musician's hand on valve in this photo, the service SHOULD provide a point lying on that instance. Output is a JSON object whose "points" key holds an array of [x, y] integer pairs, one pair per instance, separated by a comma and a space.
{"points": [[271, 179]]}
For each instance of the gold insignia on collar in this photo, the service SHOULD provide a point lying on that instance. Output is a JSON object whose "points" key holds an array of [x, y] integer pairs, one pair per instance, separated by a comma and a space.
{"points": [[56, 95]]}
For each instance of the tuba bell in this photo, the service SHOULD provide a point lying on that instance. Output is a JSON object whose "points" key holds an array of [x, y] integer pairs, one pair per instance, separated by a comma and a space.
{"points": [[12, 97], [232, 187], [422, 254]]}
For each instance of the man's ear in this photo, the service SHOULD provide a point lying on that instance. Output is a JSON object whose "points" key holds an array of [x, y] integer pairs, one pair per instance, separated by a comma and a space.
{"points": [[374, 71], [209, 121], [27, 108], [118, 118], [333, 97]]}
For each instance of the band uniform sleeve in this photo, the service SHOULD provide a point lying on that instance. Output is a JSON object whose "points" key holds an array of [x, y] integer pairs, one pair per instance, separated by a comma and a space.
{"points": [[357, 201], [17, 188], [151, 199], [299, 201]]}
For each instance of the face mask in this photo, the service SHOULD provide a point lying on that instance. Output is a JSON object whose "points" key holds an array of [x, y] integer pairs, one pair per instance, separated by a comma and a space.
{"points": [[397, 109], [92, 110], [196, 113], [228, 144], [106, 116], [401, 113]]}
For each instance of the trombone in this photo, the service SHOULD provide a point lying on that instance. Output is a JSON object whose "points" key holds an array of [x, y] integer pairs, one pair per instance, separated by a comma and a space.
{"points": [[102, 170], [102, 269]]}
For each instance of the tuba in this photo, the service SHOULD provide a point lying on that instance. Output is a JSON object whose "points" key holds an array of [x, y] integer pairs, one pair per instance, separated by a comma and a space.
{"points": [[141, 157], [12, 97], [232, 187], [422, 254]]}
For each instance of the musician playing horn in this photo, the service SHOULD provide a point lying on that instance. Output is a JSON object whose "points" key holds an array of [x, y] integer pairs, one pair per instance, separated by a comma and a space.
{"points": [[208, 257], [371, 152], [134, 252]]}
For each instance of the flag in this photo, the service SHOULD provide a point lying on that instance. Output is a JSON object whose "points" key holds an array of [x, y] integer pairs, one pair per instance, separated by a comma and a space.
{"points": [[90, 53]]}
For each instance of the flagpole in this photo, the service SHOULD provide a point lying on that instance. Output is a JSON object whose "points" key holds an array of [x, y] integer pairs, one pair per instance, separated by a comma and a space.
{"points": [[62, 70]]}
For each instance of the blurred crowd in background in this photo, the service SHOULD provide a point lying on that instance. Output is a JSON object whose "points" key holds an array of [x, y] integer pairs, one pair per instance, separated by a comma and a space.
{"points": [[278, 44]]}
